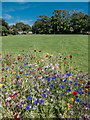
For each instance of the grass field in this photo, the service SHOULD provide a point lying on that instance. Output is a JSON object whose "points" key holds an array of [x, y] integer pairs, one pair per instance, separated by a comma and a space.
{"points": [[75, 45]]}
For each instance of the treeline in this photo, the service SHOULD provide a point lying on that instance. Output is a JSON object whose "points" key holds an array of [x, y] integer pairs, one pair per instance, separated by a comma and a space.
{"points": [[63, 21], [13, 29]]}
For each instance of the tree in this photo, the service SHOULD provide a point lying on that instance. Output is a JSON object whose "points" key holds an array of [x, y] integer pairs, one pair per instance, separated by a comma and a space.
{"points": [[42, 25], [79, 22], [2, 21], [26, 27], [20, 26], [60, 21], [4, 31]]}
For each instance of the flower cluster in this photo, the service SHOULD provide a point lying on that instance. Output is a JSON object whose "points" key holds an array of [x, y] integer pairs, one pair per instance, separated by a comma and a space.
{"points": [[34, 85]]}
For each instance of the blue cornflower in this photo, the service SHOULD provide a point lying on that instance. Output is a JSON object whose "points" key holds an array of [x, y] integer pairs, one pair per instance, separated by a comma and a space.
{"points": [[51, 85], [26, 73], [36, 101], [43, 77], [15, 62], [29, 55], [80, 92], [62, 86], [3, 86], [68, 90], [27, 63], [76, 83], [44, 95], [29, 97], [5, 91], [62, 95], [55, 72], [27, 108], [53, 78], [17, 76], [77, 100], [6, 68], [57, 75], [65, 80], [88, 92], [83, 103], [30, 67], [41, 101], [68, 74], [48, 78], [80, 88]]}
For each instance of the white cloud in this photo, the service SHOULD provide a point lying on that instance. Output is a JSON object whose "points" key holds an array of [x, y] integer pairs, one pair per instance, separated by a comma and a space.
{"points": [[7, 16], [26, 21], [12, 23]]}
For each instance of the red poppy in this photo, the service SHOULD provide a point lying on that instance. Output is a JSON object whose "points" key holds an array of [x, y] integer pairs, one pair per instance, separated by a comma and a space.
{"points": [[2, 65], [21, 72], [2, 69], [6, 63], [64, 62], [7, 55], [10, 59], [38, 69], [11, 96], [81, 80], [75, 93], [46, 57], [84, 83], [0, 53], [86, 90], [12, 67], [18, 58], [2, 78], [34, 50], [39, 50], [70, 56], [15, 116]]}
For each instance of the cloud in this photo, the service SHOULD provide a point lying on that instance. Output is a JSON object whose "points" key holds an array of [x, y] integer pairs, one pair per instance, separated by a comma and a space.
{"points": [[7, 16], [12, 23], [26, 21]]}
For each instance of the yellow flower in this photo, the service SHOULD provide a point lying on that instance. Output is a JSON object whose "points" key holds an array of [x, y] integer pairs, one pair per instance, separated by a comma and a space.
{"points": [[19, 55], [27, 75], [1, 85], [69, 78], [67, 104], [72, 99], [47, 53], [58, 61], [51, 55], [42, 60], [14, 72]]}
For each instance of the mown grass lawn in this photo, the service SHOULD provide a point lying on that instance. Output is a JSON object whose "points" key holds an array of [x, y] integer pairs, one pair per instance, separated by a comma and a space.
{"points": [[75, 45]]}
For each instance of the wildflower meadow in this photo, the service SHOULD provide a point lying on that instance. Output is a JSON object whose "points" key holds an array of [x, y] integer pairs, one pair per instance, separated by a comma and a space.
{"points": [[43, 85]]}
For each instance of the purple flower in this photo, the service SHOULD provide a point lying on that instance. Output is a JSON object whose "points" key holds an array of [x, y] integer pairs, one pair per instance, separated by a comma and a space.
{"points": [[48, 92]]}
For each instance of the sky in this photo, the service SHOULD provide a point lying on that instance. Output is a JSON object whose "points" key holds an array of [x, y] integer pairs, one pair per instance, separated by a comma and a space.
{"points": [[27, 12]]}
